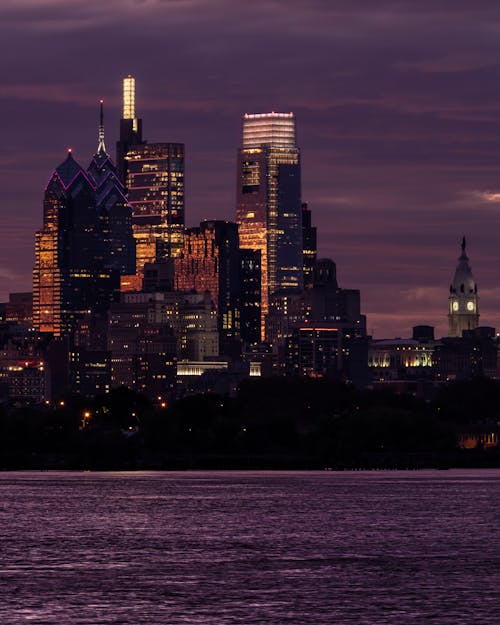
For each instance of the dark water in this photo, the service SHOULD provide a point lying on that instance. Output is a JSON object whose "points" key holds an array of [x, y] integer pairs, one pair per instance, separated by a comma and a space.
{"points": [[317, 548]]}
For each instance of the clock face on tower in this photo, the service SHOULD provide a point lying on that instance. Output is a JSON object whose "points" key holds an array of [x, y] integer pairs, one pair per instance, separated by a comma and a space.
{"points": [[470, 306], [454, 306]]}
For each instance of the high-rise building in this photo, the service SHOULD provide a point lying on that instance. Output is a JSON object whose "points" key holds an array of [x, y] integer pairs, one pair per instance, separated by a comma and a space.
{"points": [[114, 210], [148, 332], [155, 190], [463, 312], [130, 128], [209, 261], [250, 300], [153, 176], [269, 207], [70, 277], [309, 245]]}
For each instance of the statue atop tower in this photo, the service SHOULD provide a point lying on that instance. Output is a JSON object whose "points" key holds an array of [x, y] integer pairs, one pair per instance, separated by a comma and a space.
{"points": [[463, 313]]}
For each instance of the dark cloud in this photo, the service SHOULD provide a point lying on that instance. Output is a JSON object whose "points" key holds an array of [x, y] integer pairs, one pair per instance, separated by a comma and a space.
{"points": [[398, 108]]}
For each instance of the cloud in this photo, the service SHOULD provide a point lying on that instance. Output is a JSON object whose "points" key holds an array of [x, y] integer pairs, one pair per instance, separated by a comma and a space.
{"points": [[488, 196]]}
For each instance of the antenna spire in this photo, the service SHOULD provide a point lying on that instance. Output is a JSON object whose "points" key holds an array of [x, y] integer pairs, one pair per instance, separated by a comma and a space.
{"points": [[101, 148]]}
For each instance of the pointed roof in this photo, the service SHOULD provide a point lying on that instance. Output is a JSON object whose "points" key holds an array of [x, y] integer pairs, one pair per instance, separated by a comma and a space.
{"points": [[103, 172], [102, 168], [112, 189], [67, 174], [463, 281], [68, 169]]}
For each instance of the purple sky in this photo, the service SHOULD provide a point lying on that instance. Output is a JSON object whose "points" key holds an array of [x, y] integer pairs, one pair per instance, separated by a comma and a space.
{"points": [[398, 113]]}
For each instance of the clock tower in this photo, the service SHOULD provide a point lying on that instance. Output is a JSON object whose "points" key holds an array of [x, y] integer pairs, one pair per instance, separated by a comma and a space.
{"points": [[463, 312]]}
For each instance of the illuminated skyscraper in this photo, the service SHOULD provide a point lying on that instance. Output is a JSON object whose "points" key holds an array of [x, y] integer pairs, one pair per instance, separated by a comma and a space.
{"points": [[153, 176], [130, 128], [269, 210], [155, 190], [70, 278]]}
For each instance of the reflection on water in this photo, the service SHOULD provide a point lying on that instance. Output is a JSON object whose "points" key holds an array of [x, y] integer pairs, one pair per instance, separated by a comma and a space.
{"points": [[255, 548]]}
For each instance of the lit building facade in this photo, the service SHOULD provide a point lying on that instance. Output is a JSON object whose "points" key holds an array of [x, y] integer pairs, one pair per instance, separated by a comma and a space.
{"points": [[463, 312], [149, 332], [269, 207], [153, 177], [130, 128], [209, 261], [24, 373], [142, 343], [397, 359], [70, 277], [23, 382], [199, 338], [155, 191]]}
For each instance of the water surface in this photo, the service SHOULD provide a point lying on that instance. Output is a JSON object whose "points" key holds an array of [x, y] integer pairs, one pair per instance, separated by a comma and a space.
{"points": [[322, 548]]}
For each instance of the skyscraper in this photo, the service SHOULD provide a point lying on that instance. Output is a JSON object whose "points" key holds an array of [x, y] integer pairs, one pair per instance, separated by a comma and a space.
{"points": [[70, 277], [114, 210], [153, 176], [309, 248], [269, 202], [250, 299], [210, 262], [155, 190], [463, 313], [130, 128]]}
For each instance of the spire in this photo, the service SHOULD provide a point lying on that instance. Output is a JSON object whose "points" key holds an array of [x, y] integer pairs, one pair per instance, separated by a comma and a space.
{"points": [[463, 256], [101, 148]]}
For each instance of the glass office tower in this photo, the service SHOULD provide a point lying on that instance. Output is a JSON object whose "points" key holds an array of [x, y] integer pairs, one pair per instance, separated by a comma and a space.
{"points": [[269, 207], [71, 276], [153, 176], [155, 190]]}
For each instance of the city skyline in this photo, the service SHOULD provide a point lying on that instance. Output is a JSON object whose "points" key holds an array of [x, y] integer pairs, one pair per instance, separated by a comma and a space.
{"points": [[396, 129]]}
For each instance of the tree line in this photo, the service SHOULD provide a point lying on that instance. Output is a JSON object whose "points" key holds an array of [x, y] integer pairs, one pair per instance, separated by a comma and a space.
{"points": [[271, 423]]}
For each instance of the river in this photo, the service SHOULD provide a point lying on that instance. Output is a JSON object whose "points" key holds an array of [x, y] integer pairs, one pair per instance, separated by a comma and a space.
{"points": [[315, 548]]}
